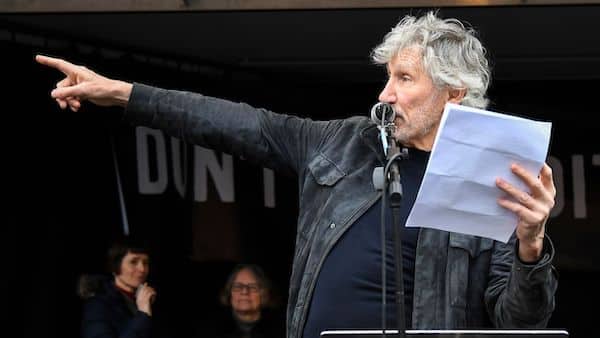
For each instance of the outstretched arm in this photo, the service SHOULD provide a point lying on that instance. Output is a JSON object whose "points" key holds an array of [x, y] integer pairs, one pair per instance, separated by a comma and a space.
{"points": [[82, 84], [276, 141]]}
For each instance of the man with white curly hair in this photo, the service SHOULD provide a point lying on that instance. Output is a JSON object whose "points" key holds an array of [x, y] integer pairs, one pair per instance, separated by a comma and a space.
{"points": [[451, 280]]}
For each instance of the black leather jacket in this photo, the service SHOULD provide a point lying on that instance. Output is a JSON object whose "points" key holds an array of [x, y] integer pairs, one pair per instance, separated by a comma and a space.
{"points": [[460, 281]]}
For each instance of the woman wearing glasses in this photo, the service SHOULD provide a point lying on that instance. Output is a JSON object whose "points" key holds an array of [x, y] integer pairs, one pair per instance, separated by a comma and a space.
{"points": [[247, 295]]}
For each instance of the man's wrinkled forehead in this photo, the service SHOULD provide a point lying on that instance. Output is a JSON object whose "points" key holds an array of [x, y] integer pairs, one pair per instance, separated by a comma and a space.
{"points": [[408, 59]]}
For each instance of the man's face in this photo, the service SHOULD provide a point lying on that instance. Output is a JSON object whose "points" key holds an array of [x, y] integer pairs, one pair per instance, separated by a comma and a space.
{"points": [[134, 271], [417, 101]]}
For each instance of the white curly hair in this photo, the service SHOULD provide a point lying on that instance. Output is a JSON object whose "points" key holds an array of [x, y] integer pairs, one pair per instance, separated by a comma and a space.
{"points": [[452, 55]]}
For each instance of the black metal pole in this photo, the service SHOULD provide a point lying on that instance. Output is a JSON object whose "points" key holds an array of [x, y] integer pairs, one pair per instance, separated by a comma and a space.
{"points": [[394, 194]]}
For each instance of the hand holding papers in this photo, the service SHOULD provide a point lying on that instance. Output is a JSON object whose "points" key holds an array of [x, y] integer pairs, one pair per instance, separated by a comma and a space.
{"points": [[472, 148]]}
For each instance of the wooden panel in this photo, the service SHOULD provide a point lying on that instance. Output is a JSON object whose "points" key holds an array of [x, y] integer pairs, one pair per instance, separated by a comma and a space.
{"points": [[33, 6]]}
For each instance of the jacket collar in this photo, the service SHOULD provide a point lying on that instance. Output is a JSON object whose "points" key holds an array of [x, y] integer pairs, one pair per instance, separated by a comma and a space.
{"points": [[370, 136]]}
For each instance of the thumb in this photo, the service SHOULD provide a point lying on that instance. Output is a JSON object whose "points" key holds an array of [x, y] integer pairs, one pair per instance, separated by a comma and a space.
{"points": [[78, 90]]}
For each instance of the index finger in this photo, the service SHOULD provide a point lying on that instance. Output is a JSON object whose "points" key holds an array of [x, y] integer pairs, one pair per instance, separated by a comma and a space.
{"points": [[64, 66], [530, 180]]}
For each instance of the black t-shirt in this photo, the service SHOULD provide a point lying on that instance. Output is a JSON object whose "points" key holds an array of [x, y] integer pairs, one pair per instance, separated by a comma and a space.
{"points": [[347, 294], [223, 324]]}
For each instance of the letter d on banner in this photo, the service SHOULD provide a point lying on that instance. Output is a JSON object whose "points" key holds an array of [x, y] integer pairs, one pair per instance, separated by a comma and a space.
{"points": [[146, 185]]}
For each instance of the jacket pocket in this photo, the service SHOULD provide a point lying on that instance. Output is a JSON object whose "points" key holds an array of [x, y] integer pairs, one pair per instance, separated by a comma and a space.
{"points": [[463, 250], [325, 171], [473, 245]]}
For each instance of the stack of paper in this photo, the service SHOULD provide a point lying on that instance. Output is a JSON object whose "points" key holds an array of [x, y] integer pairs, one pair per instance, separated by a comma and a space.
{"points": [[472, 148]]}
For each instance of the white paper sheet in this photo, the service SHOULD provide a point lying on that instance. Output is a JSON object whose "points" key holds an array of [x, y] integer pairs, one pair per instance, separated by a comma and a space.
{"points": [[472, 148]]}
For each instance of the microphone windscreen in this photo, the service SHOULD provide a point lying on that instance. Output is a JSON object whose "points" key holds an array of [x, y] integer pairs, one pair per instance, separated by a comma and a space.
{"points": [[382, 112]]}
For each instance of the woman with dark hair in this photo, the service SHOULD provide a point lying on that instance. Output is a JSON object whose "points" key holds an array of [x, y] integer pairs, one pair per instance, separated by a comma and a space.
{"points": [[120, 306], [248, 297]]}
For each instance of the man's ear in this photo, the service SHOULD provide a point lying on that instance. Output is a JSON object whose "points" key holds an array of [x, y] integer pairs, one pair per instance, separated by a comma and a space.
{"points": [[456, 95]]}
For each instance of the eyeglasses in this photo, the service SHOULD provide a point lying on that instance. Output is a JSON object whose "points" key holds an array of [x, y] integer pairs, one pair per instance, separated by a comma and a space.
{"points": [[239, 287]]}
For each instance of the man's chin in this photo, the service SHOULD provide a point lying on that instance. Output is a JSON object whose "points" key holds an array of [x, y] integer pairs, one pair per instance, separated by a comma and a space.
{"points": [[401, 136]]}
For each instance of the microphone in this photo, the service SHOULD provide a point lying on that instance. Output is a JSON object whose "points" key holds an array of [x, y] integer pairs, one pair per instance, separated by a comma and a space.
{"points": [[383, 113], [139, 288]]}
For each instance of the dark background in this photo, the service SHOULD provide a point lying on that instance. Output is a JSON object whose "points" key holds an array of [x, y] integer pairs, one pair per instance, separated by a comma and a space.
{"points": [[62, 196]]}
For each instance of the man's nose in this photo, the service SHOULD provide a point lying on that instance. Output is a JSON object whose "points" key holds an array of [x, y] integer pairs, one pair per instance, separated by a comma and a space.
{"points": [[387, 94]]}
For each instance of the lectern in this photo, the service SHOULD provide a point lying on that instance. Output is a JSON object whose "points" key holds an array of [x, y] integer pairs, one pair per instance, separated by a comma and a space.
{"points": [[447, 333]]}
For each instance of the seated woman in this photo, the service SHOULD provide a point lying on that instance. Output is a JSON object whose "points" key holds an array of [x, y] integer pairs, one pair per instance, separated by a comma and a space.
{"points": [[119, 306], [247, 295]]}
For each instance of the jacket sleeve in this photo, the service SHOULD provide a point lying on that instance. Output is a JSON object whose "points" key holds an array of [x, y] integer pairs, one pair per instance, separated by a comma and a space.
{"points": [[99, 320], [521, 295], [277, 141]]}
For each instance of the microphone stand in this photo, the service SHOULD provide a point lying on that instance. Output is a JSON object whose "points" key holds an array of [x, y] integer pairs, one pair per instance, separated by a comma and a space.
{"points": [[389, 180], [393, 187]]}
